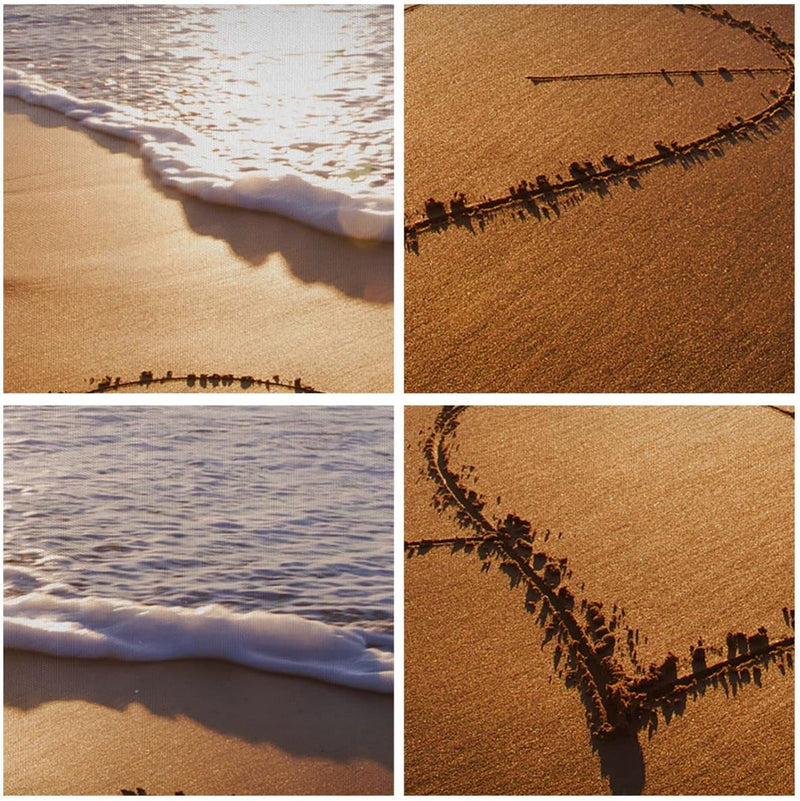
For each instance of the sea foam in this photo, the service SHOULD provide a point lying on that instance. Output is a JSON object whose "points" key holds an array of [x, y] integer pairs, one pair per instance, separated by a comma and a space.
{"points": [[283, 643], [175, 153]]}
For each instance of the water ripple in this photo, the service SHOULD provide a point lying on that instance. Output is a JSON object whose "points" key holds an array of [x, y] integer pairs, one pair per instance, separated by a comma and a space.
{"points": [[303, 524]]}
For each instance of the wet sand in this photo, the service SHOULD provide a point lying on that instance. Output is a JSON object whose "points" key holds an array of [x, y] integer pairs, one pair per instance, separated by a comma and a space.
{"points": [[95, 727], [107, 274], [680, 522], [678, 277]]}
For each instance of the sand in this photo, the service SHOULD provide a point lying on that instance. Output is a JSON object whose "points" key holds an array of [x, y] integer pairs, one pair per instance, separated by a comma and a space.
{"points": [[679, 280], [78, 727], [107, 274], [680, 521]]}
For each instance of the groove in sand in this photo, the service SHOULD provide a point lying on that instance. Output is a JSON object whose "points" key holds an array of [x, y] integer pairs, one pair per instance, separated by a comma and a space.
{"points": [[598, 76], [616, 703], [586, 175], [203, 380]]}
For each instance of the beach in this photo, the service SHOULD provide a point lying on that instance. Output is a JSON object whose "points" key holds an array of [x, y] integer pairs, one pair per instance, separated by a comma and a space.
{"points": [[108, 274], [185, 198], [198, 602], [631, 232], [642, 640], [95, 727]]}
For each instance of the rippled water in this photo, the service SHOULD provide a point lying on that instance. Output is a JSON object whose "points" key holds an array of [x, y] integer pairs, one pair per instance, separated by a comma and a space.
{"points": [[269, 509], [248, 94]]}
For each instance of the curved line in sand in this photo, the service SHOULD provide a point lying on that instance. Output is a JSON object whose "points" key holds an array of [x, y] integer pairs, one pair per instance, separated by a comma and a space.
{"points": [[588, 176], [202, 380], [615, 702]]}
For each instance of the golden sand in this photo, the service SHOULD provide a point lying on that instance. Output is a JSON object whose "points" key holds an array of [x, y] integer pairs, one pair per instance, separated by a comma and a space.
{"points": [[95, 727], [672, 277], [107, 274]]}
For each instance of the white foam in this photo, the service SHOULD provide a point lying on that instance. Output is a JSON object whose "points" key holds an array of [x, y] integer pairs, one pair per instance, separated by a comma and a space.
{"points": [[284, 643], [176, 154]]}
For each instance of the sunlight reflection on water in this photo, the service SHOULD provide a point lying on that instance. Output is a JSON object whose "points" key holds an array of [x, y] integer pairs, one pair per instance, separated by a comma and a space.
{"points": [[306, 88]]}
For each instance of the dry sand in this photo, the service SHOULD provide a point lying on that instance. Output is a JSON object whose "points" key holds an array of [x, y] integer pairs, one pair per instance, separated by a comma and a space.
{"points": [[679, 281], [107, 274], [681, 517], [86, 727]]}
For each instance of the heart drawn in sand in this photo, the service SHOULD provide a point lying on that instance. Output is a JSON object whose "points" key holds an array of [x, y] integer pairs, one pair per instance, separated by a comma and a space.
{"points": [[617, 704]]}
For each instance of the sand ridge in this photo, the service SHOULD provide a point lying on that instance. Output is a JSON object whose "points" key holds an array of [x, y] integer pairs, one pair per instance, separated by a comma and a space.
{"points": [[215, 381]]}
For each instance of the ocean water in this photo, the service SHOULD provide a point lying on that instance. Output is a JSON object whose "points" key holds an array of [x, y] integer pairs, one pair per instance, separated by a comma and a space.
{"points": [[258, 535], [286, 109]]}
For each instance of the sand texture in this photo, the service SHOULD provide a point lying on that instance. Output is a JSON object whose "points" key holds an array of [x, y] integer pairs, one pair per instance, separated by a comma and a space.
{"points": [[94, 727], [625, 233], [106, 274], [599, 600]]}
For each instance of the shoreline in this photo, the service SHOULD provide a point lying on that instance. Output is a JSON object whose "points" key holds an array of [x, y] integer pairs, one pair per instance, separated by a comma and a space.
{"points": [[82, 726], [283, 643], [304, 197], [108, 273]]}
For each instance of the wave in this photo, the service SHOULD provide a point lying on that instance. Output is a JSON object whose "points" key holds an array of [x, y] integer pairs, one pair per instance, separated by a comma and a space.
{"points": [[283, 643], [173, 153]]}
